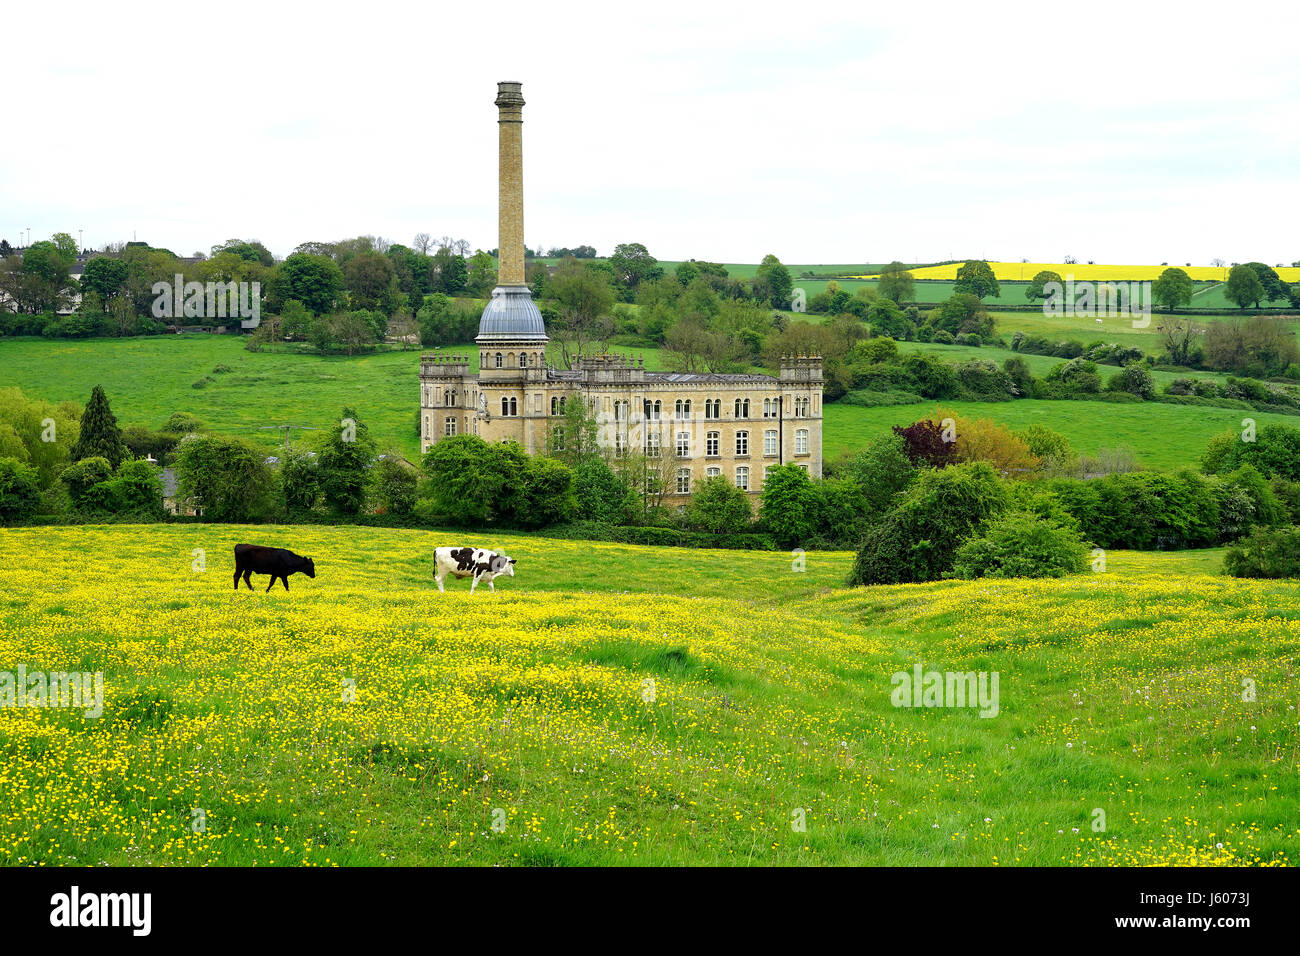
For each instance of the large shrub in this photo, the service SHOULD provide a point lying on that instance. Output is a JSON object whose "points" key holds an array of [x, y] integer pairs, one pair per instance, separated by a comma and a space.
{"points": [[227, 476], [602, 495], [1021, 545], [1273, 449], [789, 506], [917, 540], [20, 492], [1146, 510], [1265, 554], [719, 507]]}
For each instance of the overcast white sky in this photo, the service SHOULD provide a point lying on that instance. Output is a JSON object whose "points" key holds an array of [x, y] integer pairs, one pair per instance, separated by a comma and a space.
{"points": [[820, 132]]}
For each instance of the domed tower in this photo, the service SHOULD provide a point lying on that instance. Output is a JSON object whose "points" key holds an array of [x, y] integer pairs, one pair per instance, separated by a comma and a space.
{"points": [[511, 334]]}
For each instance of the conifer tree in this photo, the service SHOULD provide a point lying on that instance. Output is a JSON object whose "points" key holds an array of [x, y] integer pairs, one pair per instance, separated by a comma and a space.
{"points": [[100, 436]]}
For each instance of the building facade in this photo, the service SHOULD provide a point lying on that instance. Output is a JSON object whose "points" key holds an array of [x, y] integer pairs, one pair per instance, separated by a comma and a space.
{"points": [[697, 425]]}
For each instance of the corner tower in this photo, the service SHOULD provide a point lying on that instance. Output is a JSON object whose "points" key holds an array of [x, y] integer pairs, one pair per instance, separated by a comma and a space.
{"points": [[511, 335]]}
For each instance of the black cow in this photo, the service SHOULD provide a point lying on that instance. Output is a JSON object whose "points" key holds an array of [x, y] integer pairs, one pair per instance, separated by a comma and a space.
{"points": [[278, 562]]}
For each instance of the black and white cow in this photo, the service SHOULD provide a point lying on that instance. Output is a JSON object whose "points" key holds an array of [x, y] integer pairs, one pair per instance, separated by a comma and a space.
{"points": [[477, 563]]}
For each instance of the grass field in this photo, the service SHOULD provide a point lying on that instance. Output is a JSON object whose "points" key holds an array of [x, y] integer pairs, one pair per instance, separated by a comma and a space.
{"points": [[149, 378], [656, 715], [1163, 436]]}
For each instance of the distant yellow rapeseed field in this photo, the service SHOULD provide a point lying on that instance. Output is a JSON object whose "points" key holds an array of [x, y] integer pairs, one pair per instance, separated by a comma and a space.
{"points": [[1085, 271]]}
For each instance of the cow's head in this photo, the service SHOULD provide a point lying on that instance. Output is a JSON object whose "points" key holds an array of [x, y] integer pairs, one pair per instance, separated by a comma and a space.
{"points": [[507, 565], [308, 567]]}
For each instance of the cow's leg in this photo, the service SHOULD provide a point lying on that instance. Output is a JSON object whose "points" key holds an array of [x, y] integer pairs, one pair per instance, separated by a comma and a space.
{"points": [[248, 578], [473, 583], [237, 572], [492, 585], [439, 578], [284, 579], [271, 584]]}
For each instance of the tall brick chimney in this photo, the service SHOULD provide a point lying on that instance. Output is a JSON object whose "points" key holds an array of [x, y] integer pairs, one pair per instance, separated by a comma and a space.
{"points": [[510, 213]]}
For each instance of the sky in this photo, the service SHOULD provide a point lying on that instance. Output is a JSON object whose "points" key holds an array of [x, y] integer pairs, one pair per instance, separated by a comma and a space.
{"points": [[821, 132]]}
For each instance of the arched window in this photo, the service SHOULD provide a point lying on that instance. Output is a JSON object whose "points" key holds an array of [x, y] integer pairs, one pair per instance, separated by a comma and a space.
{"points": [[742, 408], [769, 442], [683, 408], [742, 478], [683, 481], [498, 360], [711, 444], [505, 405], [742, 443], [801, 441]]}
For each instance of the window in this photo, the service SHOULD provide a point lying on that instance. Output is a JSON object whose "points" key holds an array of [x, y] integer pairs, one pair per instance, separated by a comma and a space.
{"points": [[652, 410], [767, 471], [742, 408], [801, 441], [713, 408], [713, 472], [621, 410], [509, 406], [652, 445], [557, 405], [498, 360], [557, 438], [523, 360], [769, 442], [711, 444], [683, 408], [683, 481], [683, 444], [802, 407], [449, 428], [620, 445], [771, 407], [742, 443], [742, 478]]}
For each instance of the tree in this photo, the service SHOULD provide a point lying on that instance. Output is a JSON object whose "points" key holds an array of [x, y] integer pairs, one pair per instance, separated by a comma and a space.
{"points": [[1172, 289], [450, 273], [371, 282], [482, 276], [20, 491], [789, 506], [227, 476], [573, 438], [1274, 287], [299, 480], [38, 433], [601, 494], [917, 540], [584, 298], [1037, 285], [633, 264], [772, 283], [1181, 338], [99, 434], [104, 276], [315, 281], [344, 456], [896, 283], [976, 277], [1244, 287], [719, 507], [395, 483]]}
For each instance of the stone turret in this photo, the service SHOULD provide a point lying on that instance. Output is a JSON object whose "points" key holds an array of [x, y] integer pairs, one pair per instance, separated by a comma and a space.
{"points": [[801, 370]]}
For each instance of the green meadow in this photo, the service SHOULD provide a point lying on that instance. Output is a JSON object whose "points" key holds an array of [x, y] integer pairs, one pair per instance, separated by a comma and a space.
{"points": [[751, 714]]}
